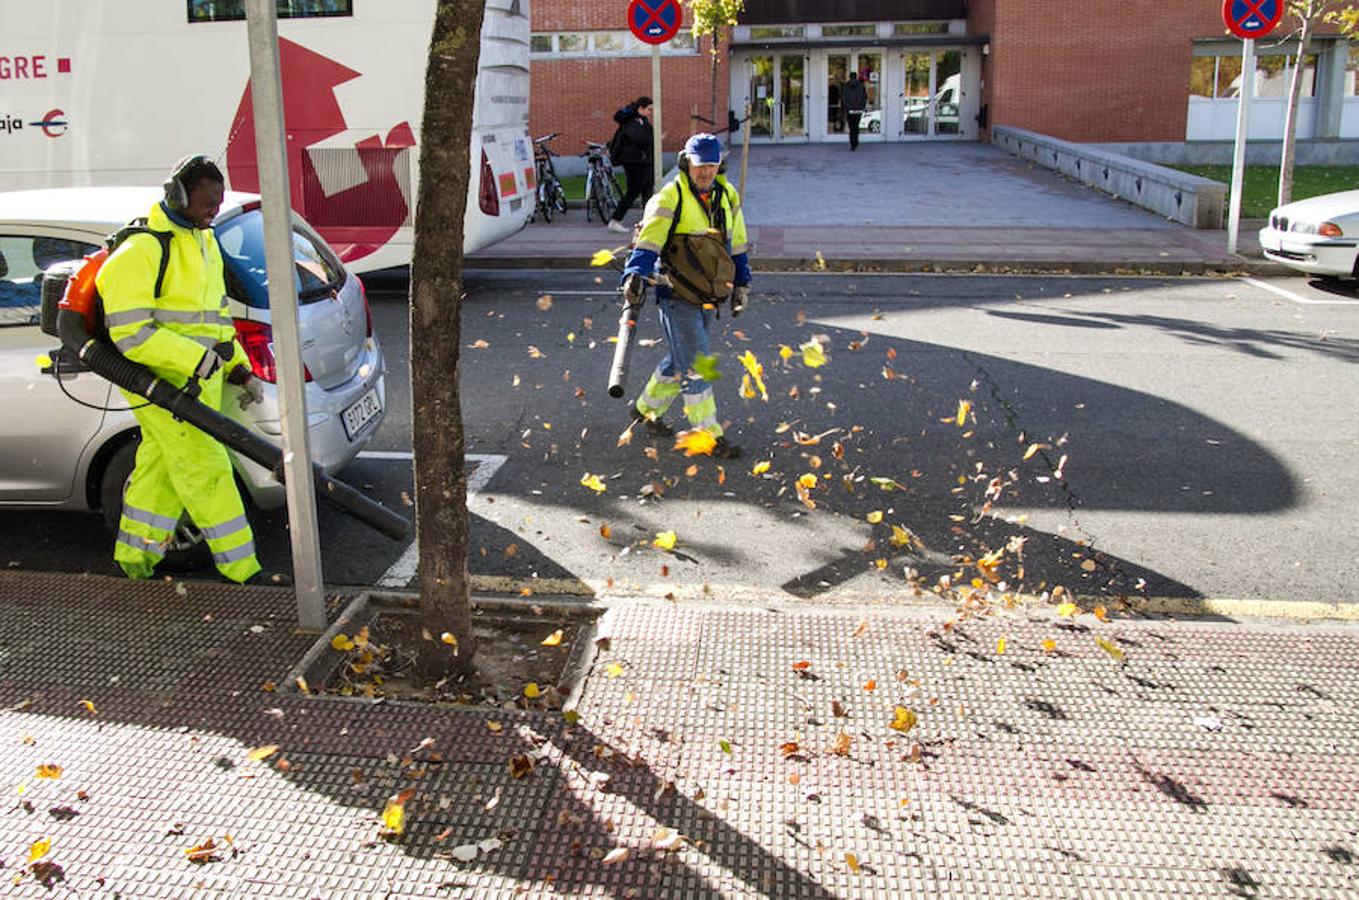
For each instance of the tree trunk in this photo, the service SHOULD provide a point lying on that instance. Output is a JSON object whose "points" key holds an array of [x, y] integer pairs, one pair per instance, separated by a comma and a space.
{"points": [[436, 332], [1291, 110]]}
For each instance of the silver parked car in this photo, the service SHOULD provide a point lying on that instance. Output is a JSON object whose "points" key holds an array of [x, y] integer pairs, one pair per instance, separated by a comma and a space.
{"points": [[70, 441], [1319, 236]]}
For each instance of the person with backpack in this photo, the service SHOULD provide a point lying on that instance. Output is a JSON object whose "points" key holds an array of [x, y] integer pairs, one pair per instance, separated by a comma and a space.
{"points": [[693, 247], [854, 98], [631, 148], [164, 301]]}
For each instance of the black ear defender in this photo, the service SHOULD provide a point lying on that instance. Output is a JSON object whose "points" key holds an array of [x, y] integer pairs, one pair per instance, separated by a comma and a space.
{"points": [[176, 191], [683, 161]]}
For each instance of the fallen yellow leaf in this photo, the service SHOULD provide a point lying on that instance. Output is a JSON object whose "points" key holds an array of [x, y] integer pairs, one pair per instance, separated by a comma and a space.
{"points": [[553, 639], [1049, 645], [394, 813], [964, 407], [665, 540], [89, 706], [1067, 610], [874, 517], [904, 719], [808, 481], [613, 670], [1101, 613], [900, 536], [695, 442], [593, 483], [493, 726], [853, 862], [760, 467], [616, 855], [341, 642], [1000, 647], [264, 752], [1033, 448], [1110, 648], [38, 849], [50, 770], [813, 356]]}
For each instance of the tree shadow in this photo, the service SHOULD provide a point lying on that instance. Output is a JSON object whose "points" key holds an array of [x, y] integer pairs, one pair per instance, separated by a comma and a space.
{"points": [[165, 733]]}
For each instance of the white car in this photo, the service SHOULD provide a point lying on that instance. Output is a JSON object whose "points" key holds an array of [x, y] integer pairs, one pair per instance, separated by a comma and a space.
{"points": [[70, 440], [1319, 236]]}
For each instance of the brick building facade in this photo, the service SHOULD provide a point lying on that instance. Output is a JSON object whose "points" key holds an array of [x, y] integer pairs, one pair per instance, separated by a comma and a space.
{"points": [[1099, 70]]}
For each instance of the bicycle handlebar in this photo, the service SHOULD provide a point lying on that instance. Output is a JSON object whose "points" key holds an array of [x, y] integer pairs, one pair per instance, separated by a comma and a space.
{"points": [[546, 137]]}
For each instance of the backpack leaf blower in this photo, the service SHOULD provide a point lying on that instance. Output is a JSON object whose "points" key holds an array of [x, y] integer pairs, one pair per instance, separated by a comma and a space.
{"points": [[71, 310]]}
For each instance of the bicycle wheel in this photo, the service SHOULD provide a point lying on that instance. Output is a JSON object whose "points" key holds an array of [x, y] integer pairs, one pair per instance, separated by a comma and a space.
{"points": [[544, 201], [558, 196], [604, 199]]}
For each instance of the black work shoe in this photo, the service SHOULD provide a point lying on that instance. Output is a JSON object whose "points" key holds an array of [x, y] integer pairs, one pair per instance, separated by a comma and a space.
{"points": [[654, 427], [724, 450]]}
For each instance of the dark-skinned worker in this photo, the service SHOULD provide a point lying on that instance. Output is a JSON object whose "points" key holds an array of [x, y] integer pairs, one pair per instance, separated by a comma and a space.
{"points": [[694, 236], [182, 335]]}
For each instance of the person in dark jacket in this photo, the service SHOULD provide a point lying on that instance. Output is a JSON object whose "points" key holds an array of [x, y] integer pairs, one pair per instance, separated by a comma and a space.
{"points": [[854, 97], [631, 148]]}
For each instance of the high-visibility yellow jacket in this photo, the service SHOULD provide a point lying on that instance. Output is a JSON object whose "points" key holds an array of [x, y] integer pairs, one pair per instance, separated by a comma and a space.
{"points": [[168, 334], [693, 218]]}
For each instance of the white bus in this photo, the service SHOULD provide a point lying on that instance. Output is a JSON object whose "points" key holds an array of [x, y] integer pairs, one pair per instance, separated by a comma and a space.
{"points": [[94, 92]]}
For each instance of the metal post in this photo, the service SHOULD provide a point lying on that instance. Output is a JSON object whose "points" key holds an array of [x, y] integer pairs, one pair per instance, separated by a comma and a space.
{"points": [[1242, 130], [266, 90], [656, 113]]}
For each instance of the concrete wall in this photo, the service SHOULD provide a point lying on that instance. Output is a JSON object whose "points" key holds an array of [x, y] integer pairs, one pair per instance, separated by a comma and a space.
{"points": [[1194, 201], [1219, 153]]}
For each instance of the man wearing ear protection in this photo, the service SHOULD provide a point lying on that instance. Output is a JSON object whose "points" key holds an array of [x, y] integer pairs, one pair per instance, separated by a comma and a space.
{"points": [[179, 328], [693, 246]]}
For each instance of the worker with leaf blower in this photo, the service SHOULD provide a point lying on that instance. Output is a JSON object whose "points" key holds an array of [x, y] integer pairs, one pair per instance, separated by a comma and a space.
{"points": [[693, 247], [164, 302]]}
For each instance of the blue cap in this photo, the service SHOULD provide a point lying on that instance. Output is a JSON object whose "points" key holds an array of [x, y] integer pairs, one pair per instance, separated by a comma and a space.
{"points": [[703, 150]]}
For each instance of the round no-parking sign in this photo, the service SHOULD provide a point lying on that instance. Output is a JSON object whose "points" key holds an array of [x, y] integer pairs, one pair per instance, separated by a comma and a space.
{"points": [[1251, 18], [654, 21]]}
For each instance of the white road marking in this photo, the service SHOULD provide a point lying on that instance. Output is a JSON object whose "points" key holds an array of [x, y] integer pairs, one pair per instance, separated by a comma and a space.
{"points": [[387, 454], [598, 293], [400, 573], [1289, 295]]}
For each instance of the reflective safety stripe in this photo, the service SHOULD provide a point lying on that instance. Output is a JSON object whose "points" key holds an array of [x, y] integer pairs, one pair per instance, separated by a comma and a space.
{"points": [[244, 551], [226, 529], [660, 392], [647, 245], [139, 543], [701, 411], [663, 212], [128, 316], [738, 249], [135, 340], [165, 523]]}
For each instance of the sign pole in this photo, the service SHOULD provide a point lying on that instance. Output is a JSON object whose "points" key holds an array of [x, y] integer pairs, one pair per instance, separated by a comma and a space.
{"points": [[657, 168], [1242, 130]]}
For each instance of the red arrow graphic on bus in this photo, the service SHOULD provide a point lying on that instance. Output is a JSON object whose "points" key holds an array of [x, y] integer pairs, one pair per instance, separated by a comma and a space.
{"points": [[366, 212]]}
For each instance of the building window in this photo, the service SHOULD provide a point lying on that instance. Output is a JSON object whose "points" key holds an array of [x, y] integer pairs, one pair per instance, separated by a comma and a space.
{"points": [[234, 10], [868, 30], [1352, 72], [589, 44], [765, 32], [920, 28], [1220, 76], [573, 43]]}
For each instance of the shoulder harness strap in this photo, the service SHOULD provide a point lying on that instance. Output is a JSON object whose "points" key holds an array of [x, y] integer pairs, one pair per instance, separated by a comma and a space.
{"points": [[140, 226]]}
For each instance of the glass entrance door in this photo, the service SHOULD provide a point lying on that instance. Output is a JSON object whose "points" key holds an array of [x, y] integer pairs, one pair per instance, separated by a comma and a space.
{"points": [[778, 96], [932, 93]]}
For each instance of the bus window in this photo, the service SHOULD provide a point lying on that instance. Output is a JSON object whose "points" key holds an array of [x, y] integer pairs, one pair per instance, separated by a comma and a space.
{"points": [[231, 10]]}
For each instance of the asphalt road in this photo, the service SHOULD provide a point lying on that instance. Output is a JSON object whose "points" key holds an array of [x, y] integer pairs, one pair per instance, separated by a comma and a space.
{"points": [[1123, 436]]}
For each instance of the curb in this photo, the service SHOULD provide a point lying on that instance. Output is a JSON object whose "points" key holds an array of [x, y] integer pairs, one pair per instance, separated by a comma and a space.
{"points": [[603, 592], [1221, 269]]}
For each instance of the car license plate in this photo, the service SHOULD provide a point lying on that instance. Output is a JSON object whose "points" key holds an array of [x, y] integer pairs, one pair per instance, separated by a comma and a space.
{"points": [[360, 413]]}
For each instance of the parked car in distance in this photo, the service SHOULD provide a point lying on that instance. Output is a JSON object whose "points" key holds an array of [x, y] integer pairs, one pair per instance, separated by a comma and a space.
{"points": [[1318, 236], [70, 440]]}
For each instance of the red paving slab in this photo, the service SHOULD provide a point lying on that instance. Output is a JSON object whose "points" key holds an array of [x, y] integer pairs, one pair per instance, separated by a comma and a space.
{"points": [[1216, 758]]}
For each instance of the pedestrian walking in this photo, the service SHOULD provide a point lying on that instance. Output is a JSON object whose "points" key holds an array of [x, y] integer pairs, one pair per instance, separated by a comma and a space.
{"points": [[854, 97], [174, 320], [694, 234], [631, 148]]}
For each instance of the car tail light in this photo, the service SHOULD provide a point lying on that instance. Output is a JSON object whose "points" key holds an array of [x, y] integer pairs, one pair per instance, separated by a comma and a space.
{"points": [[367, 310], [487, 195], [257, 338], [1329, 229]]}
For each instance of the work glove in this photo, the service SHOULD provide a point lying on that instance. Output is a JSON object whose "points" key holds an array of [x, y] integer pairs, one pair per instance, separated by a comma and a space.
{"points": [[252, 391], [634, 289], [740, 296]]}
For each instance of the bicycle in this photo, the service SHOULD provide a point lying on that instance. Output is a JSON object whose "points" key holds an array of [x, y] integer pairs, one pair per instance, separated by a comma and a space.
{"points": [[601, 190], [549, 194]]}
